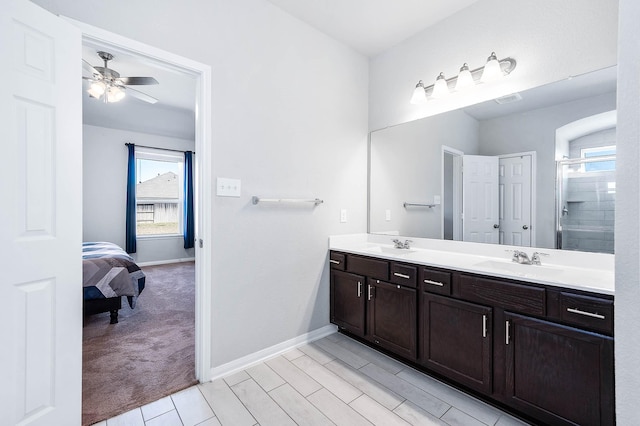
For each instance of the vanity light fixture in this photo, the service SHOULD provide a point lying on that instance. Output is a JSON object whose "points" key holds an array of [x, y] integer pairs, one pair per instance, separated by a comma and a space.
{"points": [[493, 70]]}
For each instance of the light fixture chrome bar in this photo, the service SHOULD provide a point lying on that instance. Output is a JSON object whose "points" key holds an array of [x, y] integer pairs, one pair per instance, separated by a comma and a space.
{"points": [[256, 200], [506, 65], [406, 204]]}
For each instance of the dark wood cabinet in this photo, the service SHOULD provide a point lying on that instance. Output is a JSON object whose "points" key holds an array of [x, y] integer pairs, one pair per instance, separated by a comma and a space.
{"points": [[456, 340], [391, 314], [544, 351], [348, 302], [558, 374]]}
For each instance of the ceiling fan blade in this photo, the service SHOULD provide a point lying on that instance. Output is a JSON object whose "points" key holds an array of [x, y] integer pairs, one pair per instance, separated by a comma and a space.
{"points": [[137, 80], [88, 67], [142, 96]]}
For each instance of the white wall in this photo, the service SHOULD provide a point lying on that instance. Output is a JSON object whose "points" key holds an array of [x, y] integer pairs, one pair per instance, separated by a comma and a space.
{"points": [[289, 119], [627, 314], [550, 40], [104, 193]]}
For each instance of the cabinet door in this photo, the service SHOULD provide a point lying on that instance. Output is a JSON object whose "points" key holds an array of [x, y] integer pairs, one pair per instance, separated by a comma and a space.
{"points": [[392, 314], [456, 340], [348, 301], [559, 374]]}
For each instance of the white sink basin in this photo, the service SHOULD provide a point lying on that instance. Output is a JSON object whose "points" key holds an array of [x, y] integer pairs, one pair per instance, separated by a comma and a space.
{"points": [[531, 271], [390, 250]]}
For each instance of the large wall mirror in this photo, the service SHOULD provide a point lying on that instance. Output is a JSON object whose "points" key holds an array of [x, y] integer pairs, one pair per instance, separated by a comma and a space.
{"points": [[535, 168]]}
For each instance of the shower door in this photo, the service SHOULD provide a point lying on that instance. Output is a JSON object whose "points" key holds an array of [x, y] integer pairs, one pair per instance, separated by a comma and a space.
{"points": [[585, 204]]}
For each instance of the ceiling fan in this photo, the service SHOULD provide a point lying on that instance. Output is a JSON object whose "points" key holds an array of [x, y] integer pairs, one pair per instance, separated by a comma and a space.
{"points": [[106, 83]]}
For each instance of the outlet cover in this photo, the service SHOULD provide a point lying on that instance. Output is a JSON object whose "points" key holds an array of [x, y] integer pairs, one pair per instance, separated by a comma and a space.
{"points": [[387, 215], [343, 215], [226, 187], [436, 199]]}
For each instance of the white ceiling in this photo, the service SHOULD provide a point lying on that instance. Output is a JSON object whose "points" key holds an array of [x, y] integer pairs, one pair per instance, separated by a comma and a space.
{"points": [[371, 26]]}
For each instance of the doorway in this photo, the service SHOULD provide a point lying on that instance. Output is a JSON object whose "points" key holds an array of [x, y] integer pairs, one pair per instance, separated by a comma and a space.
{"points": [[202, 74]]}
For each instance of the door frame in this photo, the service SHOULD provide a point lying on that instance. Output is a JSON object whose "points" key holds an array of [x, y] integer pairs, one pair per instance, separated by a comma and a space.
{"points": [[202, 74], [457, 191], [533, 154]]}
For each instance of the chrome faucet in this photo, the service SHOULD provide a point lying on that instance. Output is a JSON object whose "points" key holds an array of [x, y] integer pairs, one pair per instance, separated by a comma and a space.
{"points": [[400, 245], [522, 257]]}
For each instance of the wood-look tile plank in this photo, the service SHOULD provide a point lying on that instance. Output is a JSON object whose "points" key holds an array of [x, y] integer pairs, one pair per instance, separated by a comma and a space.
{"points": [[337, 410], [192, 406], [262, 407], [213, 421], [297, 378], [507, 420], [225, 404], [341, 353], [170, 418], [472, 406], [417, 416], [371, 355], [265, 377], [334, 384], [156, 408], [422, 399], [455, 417], [293, 354], [236, 378], [376, 413], [130, 418], [366, 384], [299, 409], [316, 353]]}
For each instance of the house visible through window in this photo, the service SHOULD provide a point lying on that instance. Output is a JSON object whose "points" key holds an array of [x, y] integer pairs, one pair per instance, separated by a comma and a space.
{"points": [[159, 192]]}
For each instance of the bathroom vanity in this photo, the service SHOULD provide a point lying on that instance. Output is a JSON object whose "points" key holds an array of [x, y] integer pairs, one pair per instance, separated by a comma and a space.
{"points": [[535, 338]]}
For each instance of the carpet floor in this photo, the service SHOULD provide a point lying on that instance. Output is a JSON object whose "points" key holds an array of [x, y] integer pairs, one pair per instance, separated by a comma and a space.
{"points": [[149, 354]]}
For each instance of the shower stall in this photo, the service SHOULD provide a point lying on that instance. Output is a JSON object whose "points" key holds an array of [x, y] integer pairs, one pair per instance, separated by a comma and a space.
{"points": [[585, 203]]}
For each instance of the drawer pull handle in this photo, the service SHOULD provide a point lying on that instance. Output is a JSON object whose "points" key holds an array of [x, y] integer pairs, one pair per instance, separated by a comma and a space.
{"points": [[507, 337], [588, 314], [335, 262], [359, 289], [484, 326], [439, 284], [398, 274], [369, 295]]}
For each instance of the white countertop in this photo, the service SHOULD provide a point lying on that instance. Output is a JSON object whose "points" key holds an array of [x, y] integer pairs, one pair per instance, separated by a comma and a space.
{"points": [[592, 272]]}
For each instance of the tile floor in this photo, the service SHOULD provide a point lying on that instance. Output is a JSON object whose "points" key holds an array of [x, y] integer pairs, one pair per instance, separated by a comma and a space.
{"points": [[335, 380]]}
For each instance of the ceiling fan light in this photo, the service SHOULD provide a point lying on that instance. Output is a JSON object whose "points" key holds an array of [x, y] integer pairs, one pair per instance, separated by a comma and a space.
{"points": [[419, 95], [492, 70], [96, 89], [465, 79], [115, 94]]}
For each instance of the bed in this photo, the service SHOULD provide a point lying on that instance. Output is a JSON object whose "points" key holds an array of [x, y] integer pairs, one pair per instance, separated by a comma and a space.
{"points": [[108, 274]]}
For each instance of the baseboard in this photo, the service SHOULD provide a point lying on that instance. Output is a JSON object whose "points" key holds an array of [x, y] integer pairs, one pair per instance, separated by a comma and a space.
{"points": [[264, 354], [165, 262]]}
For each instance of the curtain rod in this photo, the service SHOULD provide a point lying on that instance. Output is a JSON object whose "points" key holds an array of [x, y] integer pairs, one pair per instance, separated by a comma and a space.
{"points": [[155, 147]]}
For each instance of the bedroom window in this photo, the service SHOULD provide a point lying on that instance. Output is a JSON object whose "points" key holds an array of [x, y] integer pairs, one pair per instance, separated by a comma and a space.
{"points": [[159, 192]]}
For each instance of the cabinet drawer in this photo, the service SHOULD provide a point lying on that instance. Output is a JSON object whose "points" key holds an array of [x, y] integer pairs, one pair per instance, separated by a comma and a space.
{"points": [[337, 261], [404, 275], [516, 297], [589, 312], [435, 281], [368, 267]]}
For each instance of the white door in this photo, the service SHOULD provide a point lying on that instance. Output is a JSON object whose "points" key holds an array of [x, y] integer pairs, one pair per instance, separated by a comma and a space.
{"points": [[41, 219], [515, 200], [480, 199]]}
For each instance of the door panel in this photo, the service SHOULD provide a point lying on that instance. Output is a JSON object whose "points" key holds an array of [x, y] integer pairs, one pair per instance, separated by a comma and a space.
{"points": [[348, 301], [40, 114], [515, 200], [480, 199]]}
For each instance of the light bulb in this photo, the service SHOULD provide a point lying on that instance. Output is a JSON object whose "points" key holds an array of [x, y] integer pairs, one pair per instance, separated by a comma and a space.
{"points": [[96, 89], [492, 70], [115, 94], [419, 95], [465, 79], [440, 88]]}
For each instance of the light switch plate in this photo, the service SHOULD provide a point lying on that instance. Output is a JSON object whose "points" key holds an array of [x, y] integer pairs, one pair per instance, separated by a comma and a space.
{"points": [[226, 187], [387, 215], [436, 199]]}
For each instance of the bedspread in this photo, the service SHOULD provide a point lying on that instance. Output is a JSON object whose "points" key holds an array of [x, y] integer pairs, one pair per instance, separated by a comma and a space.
{"points": [[108, 271]]}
